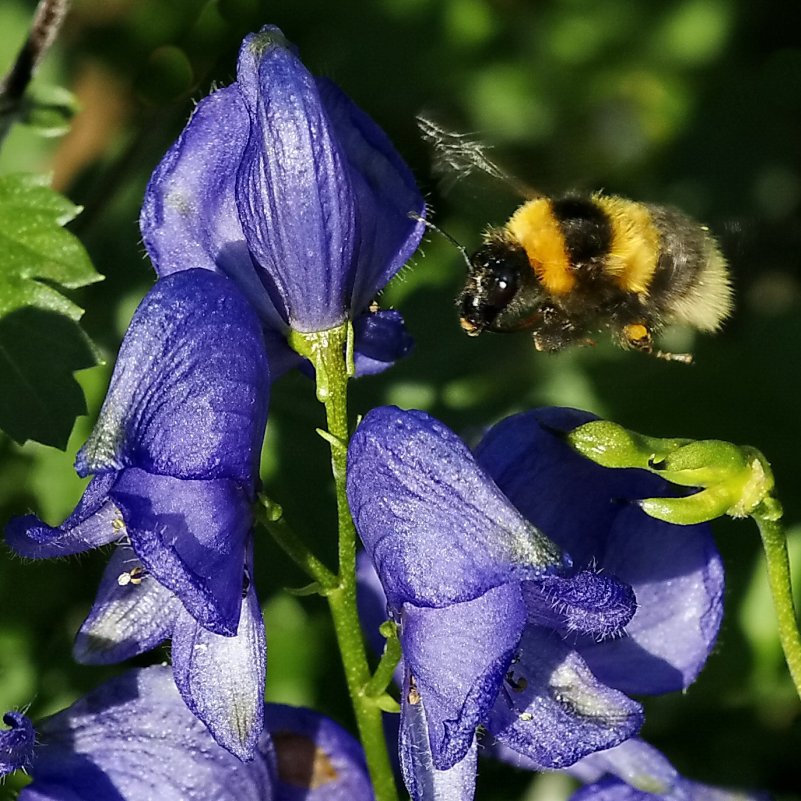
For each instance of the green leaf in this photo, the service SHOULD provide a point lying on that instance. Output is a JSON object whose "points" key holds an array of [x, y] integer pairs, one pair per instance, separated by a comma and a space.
{"points": [[41, 343]]}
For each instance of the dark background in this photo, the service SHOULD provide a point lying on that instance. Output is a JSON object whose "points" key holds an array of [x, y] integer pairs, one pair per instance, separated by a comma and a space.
{"points": [[695, 103]]}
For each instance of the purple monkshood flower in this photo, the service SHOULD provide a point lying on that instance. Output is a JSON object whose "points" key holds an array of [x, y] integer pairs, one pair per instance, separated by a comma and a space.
{"points": [[535, 638], [132, 739], [175, 455], [284, 185]]}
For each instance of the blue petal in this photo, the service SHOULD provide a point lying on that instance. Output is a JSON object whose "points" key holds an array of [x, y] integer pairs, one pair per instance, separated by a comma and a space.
{"points": [[191, 536], [635, 771], [293, 188], [189, 216], [678, 578], [222, 678], [587, 603], [96, 521], [385, 192], [132, 739], [553, 710], [16, 743], [611, 789], [132, 613], [317, 760], [424, 781], [457, 657], [380, 339], [675, 571], [188, 397], [437, 528], [635, 762]]}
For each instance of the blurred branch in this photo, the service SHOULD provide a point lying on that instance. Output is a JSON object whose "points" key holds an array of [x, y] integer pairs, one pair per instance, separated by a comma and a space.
{"points": [[47, 22]]}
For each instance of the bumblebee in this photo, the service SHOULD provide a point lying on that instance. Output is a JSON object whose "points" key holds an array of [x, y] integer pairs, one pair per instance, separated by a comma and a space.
{"points": [[564, 268]]}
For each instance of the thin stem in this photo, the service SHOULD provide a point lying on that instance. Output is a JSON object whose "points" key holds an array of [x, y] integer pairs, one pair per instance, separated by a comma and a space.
{"points": [[330, 353], [45, 27], [382, 676], [774, 542], [270, 515]]}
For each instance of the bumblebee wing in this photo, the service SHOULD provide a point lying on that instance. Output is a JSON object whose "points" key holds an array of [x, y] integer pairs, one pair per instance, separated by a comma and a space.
{"points": [[458, 155]]}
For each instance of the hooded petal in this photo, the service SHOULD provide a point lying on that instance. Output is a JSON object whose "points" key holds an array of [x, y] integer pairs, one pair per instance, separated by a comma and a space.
{"points": [[191, 536], [380, 339], [553, 710], [317, 760], [385, 193], [424, 781], [457, 658], [436, 527], [674, 571], [188, 397], [16, 743], [96, 521], [222, 678], [293, 189], [132, 739], [132, 613], [189, 215]]}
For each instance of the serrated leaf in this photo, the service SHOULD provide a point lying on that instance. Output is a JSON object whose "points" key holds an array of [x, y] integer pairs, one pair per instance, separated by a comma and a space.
{"points": [[41, 343]]}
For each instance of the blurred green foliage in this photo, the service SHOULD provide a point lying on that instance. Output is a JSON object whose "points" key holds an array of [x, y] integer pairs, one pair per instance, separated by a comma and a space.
{"points": [[691, 102]]}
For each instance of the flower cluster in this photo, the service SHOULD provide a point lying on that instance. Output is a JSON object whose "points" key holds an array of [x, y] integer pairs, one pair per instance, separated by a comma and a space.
{"points": [[504, 627], [532, 594], [281, 205], [174, 457]]}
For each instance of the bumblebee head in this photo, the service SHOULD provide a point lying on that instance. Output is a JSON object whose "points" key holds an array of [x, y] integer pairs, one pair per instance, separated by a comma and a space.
{"points": [[497, 274]]}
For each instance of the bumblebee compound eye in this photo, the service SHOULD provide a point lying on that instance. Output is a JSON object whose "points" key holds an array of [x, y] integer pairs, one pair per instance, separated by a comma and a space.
{"points": [[491, 285]]}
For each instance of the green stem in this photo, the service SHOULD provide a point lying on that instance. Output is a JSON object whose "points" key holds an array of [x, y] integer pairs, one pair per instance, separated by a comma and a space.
{"points": [[382, 675], [774, 541], [331, 354], [270, 515]]}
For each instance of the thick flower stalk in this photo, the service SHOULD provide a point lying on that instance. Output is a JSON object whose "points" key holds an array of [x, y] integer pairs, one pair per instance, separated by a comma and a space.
{"points": [[284, 185], [132, 738], [535, 638], [174, 459]]}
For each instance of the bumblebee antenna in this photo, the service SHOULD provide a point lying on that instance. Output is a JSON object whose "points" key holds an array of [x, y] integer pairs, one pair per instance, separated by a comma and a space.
{"points": [[458, 245]]}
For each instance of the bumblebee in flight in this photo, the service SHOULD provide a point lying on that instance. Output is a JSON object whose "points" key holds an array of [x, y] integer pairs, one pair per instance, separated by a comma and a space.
{"points": [[565, 268]]}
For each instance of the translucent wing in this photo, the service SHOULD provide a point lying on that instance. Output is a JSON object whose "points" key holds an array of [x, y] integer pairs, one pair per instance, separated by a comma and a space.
{"points": [[458, 155]]}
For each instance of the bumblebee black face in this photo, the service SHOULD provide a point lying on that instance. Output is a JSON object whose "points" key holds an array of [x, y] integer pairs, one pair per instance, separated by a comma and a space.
{"points": [[497, 274]]}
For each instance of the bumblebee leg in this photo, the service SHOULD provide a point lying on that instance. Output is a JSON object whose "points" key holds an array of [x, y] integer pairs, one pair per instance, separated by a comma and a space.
{"points": [[638, 337]]}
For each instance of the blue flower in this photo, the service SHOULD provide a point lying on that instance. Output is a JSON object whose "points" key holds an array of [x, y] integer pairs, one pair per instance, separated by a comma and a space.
{"points": [[174, 456], [505, 628], [132, 739], [281, 183]]}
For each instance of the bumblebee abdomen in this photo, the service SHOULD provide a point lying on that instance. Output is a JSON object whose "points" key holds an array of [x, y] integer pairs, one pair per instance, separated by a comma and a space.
{"points": [[579, 242], [634, 247], [692, 281]]}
